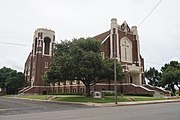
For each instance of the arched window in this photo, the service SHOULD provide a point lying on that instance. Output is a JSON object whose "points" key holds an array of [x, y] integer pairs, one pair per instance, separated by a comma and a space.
{"points": [[47, 41], [126, 50]]}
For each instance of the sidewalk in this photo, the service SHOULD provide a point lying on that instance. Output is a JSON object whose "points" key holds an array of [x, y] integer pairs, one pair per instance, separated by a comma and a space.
{"points": [[132, 103], [109, 104]]}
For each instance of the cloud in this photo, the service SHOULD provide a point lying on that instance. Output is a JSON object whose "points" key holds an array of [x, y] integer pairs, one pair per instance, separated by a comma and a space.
{"points": [[159, 34], [175, 59], [11, 62]]}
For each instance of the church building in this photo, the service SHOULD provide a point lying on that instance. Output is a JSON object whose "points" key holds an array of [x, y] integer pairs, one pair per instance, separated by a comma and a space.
{"points": [[121, 39]]}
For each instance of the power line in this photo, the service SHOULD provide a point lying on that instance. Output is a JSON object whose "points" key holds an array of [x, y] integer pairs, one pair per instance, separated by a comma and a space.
{"points": [[150, 13], [14, 44]]}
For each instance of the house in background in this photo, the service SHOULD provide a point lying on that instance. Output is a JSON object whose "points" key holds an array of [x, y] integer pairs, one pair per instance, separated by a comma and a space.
{"points": [[128, 54]]}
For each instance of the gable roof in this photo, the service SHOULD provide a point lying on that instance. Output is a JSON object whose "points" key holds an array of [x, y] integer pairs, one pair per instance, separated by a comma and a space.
{"points": [[102, 36]]}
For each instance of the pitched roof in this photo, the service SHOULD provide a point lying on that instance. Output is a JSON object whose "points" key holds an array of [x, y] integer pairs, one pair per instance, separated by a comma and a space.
{"points": [[102, 36]]}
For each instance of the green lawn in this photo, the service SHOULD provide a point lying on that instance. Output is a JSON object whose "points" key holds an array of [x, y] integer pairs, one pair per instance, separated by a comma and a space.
{"points": [[78, 98], [40, 97], [107, 99], [143, 98]]}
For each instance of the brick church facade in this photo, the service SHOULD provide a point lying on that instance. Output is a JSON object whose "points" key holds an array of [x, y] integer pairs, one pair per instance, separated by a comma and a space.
{"points": [[127, 53], [127, 50]]}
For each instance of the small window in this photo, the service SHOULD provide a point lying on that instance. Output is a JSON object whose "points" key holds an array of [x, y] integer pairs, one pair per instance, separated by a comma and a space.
{"points": [[67, 82], [74, 90], [61, 90], [40, 35], [74, 82], [67, 90], [102, 54], [82, 90], [61, 83], [46, 64]]}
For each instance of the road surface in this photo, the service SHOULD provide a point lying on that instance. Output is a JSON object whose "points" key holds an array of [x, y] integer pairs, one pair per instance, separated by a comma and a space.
{"points": [[163, 111], [9, 106]]}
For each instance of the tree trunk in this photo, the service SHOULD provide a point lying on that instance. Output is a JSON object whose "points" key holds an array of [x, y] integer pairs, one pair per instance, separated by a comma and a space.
{"points": [[179, 89], [88, 91], [53, 85], [173, 90]]}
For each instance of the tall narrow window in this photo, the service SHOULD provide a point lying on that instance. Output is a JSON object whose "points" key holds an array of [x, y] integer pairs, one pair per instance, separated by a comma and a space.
{"points": [[126, 50], [35, 46], [47, 41]]}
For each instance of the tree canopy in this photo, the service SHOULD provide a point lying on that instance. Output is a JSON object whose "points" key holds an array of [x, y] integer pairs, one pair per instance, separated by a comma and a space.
{"points": [[168, 77], [11, 80], [153, 75], [171, 76], [78, 60]]}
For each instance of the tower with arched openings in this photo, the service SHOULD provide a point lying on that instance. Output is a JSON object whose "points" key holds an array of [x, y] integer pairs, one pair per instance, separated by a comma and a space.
{"points": [[39, 59]]}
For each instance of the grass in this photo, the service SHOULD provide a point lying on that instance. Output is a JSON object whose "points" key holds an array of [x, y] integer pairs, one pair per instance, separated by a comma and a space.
{"points": [[78, 98], [40, 97], [107, 99], [142, 98]]}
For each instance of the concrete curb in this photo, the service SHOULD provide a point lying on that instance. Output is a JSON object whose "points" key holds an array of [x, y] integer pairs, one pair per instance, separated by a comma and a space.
{"points": [[131, 103], [106, 104]]}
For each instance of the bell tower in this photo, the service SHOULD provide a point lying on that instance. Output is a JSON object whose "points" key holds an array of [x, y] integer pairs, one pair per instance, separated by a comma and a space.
{"points": [[43, 44]]}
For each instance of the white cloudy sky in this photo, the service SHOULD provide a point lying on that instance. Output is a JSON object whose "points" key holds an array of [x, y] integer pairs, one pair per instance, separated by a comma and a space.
{"points": [[159, 34]]}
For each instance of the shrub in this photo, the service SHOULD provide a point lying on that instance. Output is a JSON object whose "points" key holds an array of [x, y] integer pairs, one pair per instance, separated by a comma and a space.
{"points": [[108, 93], [178, 93], [65, 94], [146, 95]]}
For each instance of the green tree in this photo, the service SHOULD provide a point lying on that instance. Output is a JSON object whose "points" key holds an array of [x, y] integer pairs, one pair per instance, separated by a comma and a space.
{"points": [[177, 78], [4, 73], [153, 75], [11, 80], [15, 81], [170, 76], [108, 70], [77, 60]]}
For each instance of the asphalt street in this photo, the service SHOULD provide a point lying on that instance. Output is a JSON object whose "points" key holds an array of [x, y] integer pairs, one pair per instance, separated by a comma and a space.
{"points": [[9, 106], [56, 111]]}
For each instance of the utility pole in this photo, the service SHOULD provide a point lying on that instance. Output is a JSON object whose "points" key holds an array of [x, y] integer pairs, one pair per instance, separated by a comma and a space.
{"points": [[115, 50]]}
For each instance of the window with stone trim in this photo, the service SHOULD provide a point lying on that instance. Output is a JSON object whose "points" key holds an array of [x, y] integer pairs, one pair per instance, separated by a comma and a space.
{"points": [[126, 50], [102, 55], [46, 64]]}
